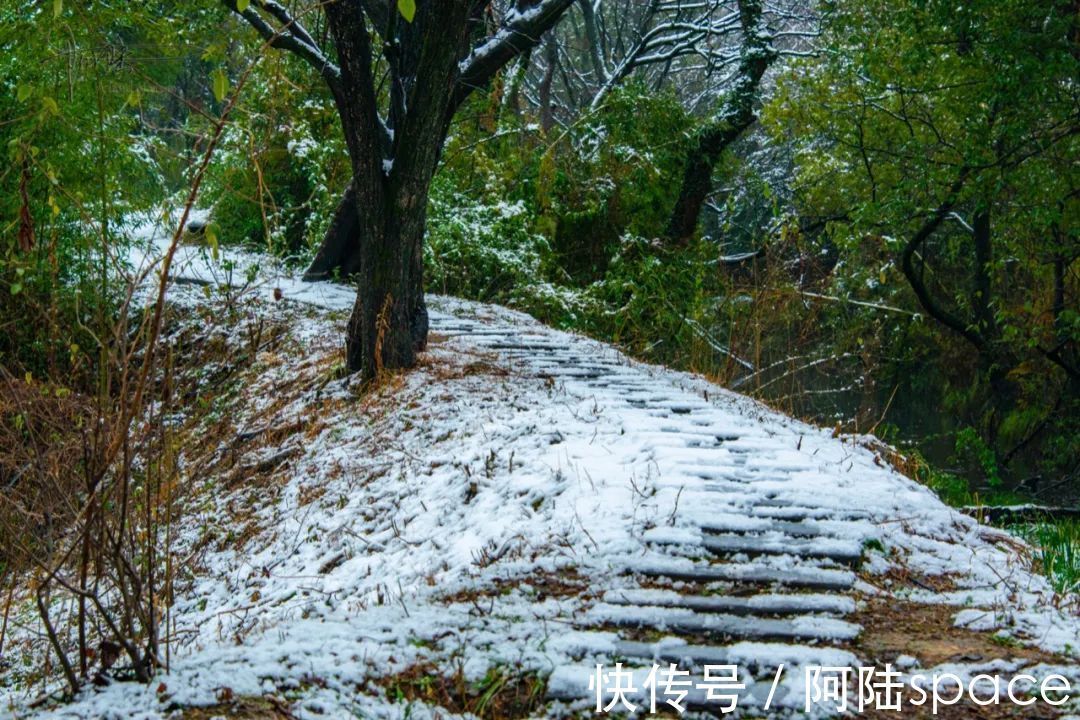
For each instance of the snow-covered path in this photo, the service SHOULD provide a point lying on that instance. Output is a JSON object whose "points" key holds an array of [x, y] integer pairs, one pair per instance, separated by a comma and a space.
{"points": [[532, 501], [754, 564]]}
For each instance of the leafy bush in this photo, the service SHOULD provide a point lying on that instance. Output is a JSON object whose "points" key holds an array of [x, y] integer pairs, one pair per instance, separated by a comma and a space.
{"points": [[658, 302], [77, 163], [281, 166], [489, 252]]}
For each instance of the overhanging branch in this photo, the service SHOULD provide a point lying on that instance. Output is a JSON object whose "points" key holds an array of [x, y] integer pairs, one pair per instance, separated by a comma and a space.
{"points": [[914, 278], [522, 32], [290, 36]]}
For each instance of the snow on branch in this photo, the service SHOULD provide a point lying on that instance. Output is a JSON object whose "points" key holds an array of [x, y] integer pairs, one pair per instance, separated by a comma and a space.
{"points": [[289, 35], [521, 31]]}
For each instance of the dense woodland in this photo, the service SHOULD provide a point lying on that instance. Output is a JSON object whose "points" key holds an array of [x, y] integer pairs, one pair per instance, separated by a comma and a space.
{"points": [[864, 213]]}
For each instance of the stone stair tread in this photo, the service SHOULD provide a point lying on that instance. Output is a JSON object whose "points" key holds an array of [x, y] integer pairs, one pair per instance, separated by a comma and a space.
{"points": [[803, 528], [747, 573], [844, 551], [763, 541], [756, 658], [682, 620], [763, 604]]}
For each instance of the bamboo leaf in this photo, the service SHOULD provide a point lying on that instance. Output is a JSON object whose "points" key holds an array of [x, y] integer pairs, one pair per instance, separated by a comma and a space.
{"points": [[212, 241], [219, 84], [407, 8]]}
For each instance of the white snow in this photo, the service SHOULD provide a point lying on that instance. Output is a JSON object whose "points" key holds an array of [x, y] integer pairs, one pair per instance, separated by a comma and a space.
{"points": [[420, 524]]}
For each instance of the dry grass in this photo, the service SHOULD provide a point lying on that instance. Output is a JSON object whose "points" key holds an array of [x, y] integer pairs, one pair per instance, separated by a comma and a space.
{"points": [[503, 694], [41, 447], [246, 708], [900, 575], [892, 628], [544, 585]]}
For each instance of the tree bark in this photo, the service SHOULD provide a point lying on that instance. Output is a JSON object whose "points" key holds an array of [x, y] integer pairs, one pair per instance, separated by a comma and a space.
{"points": [[981, 289], [914, 273], [547, 112], [26, 220]]}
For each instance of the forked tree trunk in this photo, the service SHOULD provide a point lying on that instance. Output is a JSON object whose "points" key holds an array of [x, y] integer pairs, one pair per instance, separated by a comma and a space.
{"points": [[431, 66], [389, 324]]}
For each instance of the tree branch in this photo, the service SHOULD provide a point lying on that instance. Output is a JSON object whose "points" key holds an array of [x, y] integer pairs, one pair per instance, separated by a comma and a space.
{"points": [[522, 32], [914, 279], [291, 36], [735, 116]]}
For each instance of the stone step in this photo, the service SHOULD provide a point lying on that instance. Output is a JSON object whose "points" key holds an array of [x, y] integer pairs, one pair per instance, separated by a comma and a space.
{"points": [[745, 573], [803, 528], [721, 625], [842, 551], [458, 331], [532, 347], [764, 604], [799, 513], [760, 659], [571, 374], [720, 482], [697, 430], [733, 473], [700, 443], [756, 471]]}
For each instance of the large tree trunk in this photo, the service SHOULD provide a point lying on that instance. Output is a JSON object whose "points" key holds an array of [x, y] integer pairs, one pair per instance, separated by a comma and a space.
{"points": [[389, 322], [547, 111], [339, 257], [389, 325]]}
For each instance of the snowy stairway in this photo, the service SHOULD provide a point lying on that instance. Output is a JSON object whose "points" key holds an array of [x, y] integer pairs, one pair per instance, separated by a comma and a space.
{"points": [[763, 567], [762, 604]]}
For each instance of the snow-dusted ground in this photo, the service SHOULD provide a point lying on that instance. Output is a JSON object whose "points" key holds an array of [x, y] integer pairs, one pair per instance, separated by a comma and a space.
{"points": [[522, 501]]}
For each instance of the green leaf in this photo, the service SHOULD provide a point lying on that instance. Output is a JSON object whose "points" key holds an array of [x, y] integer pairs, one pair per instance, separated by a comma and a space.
{"points": [[49, 106], [133, 98], [214, 51], [407, 8], [219, 84], [212, 241], [16, 288], [23, 92], [242, 5], [57, 8]]}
